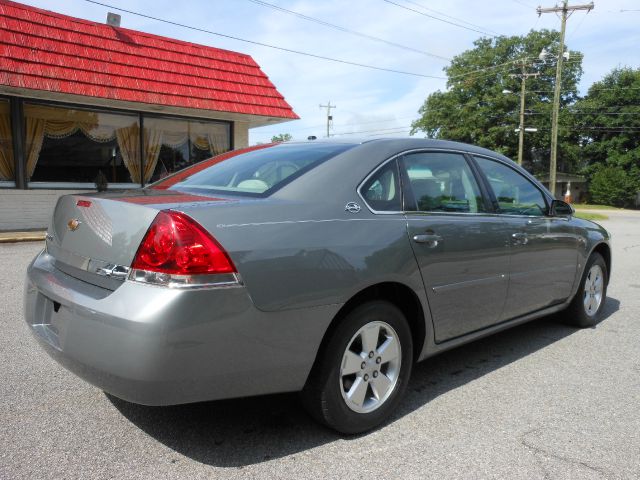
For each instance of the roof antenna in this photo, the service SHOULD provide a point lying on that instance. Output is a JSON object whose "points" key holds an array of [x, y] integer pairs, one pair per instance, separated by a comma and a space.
{"points": [[113, 19]]}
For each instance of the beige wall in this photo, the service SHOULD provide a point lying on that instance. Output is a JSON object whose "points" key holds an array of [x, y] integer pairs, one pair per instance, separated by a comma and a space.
{"points": [[27, 209], [240, 135]]}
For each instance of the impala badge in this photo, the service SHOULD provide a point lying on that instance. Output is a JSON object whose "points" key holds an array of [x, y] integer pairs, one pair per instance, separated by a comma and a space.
{"points": [[352, 207], [73, 224]]}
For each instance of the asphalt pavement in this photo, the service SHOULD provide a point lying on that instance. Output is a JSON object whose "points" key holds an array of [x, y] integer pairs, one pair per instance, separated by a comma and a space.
{"points": [[542, 400]]}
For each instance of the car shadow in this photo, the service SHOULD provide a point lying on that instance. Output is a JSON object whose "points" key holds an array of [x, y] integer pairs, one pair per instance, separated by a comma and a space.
{"points": [[242, 432]]}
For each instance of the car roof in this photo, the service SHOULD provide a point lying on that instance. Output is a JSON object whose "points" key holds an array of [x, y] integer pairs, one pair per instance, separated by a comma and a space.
{"points": [[408, 143]]}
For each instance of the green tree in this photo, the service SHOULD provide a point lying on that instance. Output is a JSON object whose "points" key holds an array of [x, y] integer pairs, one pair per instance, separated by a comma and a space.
{"points": [[282, 137], [475, 110], [612, 185], [609, 121]]}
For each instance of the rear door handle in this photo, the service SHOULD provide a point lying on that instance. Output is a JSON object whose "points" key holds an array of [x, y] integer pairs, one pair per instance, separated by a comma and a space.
{"points": [[431, 239]]}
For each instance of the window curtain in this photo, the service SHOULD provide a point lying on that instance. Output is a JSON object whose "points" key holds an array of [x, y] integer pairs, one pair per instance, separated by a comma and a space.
{"points": [[6, 143], [129, 143], [218, 137], [152, 144], [213, 138], [34, 136], [53, 122], [38, 128]]}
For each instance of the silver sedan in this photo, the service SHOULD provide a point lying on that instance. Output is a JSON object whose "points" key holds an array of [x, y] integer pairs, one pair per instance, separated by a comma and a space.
{"points": [[328, 268]]}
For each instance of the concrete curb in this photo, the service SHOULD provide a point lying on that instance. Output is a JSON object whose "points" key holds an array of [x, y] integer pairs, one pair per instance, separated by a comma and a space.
{"points": [[15, 237]]}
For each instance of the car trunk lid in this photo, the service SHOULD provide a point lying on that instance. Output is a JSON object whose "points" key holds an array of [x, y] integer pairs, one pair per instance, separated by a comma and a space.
{"points": [[95, 237]]}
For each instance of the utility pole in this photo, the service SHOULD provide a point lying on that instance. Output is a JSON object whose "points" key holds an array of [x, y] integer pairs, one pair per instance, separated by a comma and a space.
{"points": [[328, 106], [566, 10], [523, 77]]}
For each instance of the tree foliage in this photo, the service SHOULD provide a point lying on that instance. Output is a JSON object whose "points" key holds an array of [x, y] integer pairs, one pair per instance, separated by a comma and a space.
{"points": [[282, 137], [475, 110], [612, 185], [609, 120]]}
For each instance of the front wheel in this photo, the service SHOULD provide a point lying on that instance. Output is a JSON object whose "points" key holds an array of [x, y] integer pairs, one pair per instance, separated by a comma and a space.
{"points": [[586, 307], [363, 370]]}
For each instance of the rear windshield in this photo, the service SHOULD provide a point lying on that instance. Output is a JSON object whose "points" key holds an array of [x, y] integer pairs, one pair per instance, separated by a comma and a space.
{"points": [[258, 172]]}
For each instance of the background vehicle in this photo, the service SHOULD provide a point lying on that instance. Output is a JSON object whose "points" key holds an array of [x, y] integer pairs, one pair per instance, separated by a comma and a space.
{"points": [[322, 267]]}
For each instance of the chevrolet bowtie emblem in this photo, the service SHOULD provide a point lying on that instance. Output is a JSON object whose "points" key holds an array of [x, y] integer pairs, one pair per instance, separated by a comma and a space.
{"points": [[73, 224]]}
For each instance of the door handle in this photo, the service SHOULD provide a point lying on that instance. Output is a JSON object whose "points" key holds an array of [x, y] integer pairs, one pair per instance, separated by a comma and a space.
{"points": [[430, 239], [520, 238]]}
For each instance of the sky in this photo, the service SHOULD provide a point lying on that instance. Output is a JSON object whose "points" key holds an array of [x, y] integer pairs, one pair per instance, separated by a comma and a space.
{"points": [[369, 102]]}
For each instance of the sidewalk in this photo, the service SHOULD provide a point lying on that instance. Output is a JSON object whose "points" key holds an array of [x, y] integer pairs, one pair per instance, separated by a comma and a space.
{"points": [[14, 237]]}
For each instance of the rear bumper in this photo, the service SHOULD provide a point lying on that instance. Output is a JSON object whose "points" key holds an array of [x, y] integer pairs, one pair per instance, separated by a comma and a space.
{"points": [[160, 346]]}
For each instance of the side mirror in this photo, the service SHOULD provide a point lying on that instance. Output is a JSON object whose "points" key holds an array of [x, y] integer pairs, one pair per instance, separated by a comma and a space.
{"points": [[561, 209]]}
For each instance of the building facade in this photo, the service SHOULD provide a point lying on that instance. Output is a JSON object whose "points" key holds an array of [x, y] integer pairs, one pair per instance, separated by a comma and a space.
{"points": [[84, 104]]}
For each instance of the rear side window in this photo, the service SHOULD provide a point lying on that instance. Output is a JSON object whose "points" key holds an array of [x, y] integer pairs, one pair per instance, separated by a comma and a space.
{"points": [[441, 182], [515, 194], [382, 190], [257, 172]]}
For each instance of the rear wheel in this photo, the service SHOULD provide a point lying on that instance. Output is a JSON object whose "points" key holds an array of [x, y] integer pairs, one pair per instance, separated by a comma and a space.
{"points": [[363, 370], [586, 307]]}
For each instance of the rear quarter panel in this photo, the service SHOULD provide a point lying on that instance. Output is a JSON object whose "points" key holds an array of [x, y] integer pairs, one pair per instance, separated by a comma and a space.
{"points": [[300, 248]]}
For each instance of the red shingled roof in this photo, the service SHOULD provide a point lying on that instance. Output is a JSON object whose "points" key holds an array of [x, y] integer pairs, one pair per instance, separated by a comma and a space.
{"points": [[43, 50]]}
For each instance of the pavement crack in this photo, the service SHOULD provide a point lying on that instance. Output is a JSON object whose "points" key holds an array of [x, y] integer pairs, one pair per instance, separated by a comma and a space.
{"points": [[630, 247], [548, 453]]}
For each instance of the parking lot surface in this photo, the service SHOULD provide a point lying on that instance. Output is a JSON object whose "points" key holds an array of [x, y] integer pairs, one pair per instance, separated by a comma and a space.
{"points": [[542, 400]]}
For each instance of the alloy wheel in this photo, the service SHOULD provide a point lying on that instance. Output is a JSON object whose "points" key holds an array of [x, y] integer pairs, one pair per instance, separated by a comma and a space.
{"points": [[370, 367], [593, 289]]}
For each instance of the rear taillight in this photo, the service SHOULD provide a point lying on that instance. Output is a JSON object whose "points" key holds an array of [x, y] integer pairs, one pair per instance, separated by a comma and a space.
{"points": [[177, 251]]}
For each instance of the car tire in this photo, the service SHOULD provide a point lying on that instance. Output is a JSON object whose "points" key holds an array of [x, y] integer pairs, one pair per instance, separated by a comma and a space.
{"points": [[586, 307], [351, 394]]}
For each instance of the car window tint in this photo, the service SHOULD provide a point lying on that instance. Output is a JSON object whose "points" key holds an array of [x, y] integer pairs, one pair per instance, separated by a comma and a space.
{"points": [[515, 194], [258, 172], [442, 182], [382, 190]]}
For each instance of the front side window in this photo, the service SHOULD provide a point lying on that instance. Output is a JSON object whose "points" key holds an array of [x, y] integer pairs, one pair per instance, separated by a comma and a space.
{"points": [[515, 194], [441, 182], [382, 190], [258, 171]]}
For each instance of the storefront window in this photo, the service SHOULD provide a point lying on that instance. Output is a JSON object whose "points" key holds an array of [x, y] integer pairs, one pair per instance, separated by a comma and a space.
{"points": [[81, 146], [173, 144], [7, 166], [66, 145]]}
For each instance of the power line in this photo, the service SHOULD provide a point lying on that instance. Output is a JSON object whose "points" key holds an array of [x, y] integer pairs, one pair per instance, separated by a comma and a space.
{"points": [[337, 126], [394, 133], [387, 130], [439, 19], [567, 128], [347, 30], [448, 16], [253, 42], [596, 88], [510, 62], [522, 3]]}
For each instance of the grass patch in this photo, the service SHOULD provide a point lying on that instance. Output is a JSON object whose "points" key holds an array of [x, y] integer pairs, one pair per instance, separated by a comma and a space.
{"points": [[590, 216], [593, 206]]}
